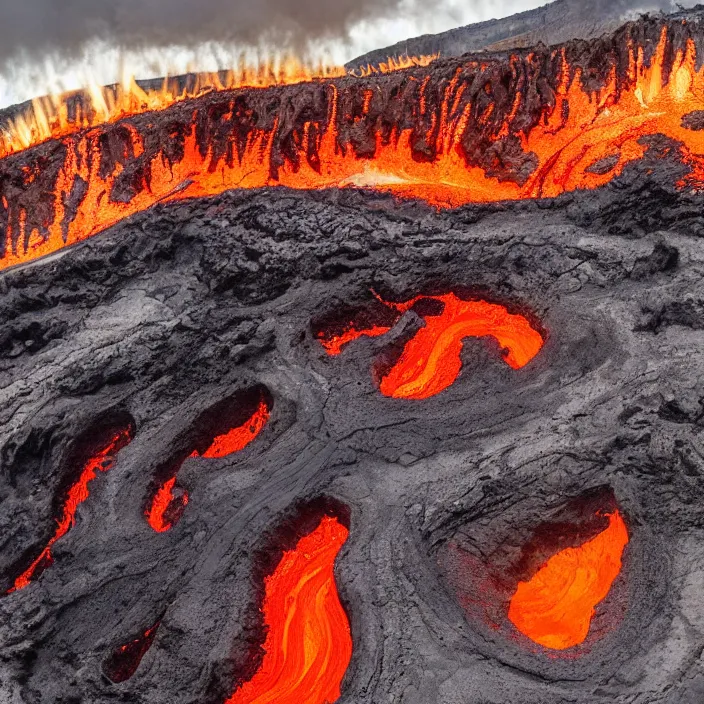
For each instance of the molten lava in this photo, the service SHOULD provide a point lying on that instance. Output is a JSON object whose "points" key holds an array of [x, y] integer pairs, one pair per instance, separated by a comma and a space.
{"points": [[447, 138], [52, 118], [167, 506], [124, 660], [430, 361], [555, 607], [102, 461], [334, 343], [238, 438], [308, 644]]}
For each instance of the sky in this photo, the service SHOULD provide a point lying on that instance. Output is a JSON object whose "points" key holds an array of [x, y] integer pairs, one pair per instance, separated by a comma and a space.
{"points": [[38, 70]]}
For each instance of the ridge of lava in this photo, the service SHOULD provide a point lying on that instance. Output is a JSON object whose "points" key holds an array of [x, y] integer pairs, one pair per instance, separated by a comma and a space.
{"points": [[482, 128]]}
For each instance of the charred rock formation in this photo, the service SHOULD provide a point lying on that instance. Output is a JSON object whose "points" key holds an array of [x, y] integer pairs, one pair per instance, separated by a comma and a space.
{"points": [[458, 495]]}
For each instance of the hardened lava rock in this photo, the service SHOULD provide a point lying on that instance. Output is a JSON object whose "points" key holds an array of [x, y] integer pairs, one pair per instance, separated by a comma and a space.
{"points": [[158, 320]]}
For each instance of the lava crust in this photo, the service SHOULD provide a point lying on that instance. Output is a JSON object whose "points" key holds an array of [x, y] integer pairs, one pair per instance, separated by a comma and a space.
{"points": [[192, 303]]}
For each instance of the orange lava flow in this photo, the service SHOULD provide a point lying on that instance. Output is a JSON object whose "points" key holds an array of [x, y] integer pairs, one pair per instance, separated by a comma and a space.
{"points": [[223, 445], [77, 494], [582, 142], [238, 438], [308, 645], [555, 607], [333, 345], [430, 361], [156, 514]]}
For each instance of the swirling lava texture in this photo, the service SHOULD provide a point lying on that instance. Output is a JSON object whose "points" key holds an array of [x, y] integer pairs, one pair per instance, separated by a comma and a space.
{"points": [[101, 461], [308, 644], [431, 362], [555, 607], [235, 440]]}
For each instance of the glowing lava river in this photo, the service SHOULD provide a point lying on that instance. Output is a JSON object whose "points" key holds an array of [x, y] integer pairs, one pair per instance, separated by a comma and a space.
{"points": [[308, 644]]}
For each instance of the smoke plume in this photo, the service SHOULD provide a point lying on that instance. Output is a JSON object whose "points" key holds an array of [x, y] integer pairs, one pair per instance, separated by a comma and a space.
{"points": [[47, 26]]}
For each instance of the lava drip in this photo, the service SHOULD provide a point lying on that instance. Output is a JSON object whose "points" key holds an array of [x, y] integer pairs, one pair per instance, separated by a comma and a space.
{"points": [[308, 644], [555, 607], [123, 662], [169, 501], [430, 361], [101, 461]]}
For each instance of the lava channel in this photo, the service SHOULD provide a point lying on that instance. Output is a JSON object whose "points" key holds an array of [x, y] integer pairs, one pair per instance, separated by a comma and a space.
{"points": [[168, 502], [308, 644], [555, 607], [123, 662], [430, 361], [101, 461]]}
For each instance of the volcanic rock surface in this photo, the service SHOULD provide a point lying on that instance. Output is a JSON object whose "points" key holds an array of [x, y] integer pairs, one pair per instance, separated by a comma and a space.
{"points": [[168, 313], [554, 22], [133, 360]]}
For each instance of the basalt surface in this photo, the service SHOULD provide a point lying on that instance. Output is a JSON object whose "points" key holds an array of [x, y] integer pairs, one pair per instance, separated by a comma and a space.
{"points": [[320, 443], [448, 500]]}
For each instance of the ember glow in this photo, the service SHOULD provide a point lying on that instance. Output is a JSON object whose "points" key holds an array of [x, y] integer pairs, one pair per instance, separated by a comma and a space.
{"points": [[555, 607], [308, 644], [430, 361], [580, 140], [238, 438], [124, 660], [102, 461], [167, 506]]}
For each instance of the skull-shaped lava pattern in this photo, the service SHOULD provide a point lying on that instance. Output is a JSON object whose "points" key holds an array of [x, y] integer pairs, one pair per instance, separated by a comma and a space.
{"points": [[335, 446]]}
